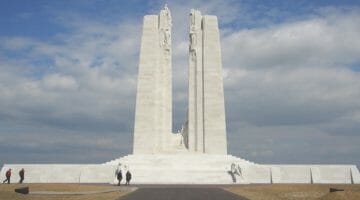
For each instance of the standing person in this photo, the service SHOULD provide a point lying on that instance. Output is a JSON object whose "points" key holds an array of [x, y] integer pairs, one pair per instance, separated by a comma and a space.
{"points": [[128, 178], [8, 175], [119, 177], [21, 174]]}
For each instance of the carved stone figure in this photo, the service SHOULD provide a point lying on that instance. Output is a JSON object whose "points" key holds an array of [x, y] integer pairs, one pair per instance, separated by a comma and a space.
{"points": [[192, 41], [193, 56], [168, 15], [167, 39], [192, 19]]}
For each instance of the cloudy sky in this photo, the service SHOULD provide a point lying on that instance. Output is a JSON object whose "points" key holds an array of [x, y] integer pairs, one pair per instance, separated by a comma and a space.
{"points": [[68, 73]]}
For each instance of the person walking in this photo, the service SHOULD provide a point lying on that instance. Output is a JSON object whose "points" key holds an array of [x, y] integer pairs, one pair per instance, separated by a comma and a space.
{"points": [[128, 178], [119, 177], [21, 174], [8, 175]]}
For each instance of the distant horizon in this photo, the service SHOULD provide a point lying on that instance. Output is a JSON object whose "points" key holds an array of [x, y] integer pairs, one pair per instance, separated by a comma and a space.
{"points": [[291, 71]]}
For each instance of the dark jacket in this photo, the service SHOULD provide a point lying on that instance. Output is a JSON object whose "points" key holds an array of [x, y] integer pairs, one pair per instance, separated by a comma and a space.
{"points": [[21, 173], [119, 175], [128, 175], [8, 173]]}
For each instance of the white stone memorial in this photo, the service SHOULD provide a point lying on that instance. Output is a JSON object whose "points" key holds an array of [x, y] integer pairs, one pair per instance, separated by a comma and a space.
{"points": [[196, 155]]}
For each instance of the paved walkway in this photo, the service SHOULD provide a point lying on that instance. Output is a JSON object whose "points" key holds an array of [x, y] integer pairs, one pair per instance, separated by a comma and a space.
{"points": [[181, 193]]}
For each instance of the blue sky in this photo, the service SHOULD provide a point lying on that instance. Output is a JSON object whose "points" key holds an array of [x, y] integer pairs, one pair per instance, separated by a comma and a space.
{"points": [[68, 74]]}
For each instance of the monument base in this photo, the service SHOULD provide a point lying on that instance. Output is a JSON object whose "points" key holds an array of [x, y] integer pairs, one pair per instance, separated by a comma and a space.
{"points": [[185, 169]]}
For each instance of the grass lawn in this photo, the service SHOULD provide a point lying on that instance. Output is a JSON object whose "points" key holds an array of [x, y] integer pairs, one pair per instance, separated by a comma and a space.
{"points": [[7, 192], [253, 192], [296, 191]]}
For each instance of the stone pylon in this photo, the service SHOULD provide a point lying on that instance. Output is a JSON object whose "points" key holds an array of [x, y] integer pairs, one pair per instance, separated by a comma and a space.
{"points": [[153, 115], [206, 127]]}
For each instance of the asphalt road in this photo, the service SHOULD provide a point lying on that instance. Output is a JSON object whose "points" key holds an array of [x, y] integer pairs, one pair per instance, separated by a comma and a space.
{"points": [[181, 193]]}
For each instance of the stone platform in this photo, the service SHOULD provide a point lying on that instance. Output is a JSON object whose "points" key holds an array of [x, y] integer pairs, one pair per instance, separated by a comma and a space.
{"points": [[185, 169]]}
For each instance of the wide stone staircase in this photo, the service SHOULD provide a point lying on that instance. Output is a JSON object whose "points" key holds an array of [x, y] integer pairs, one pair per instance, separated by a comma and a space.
{"points": [[182, 168]]}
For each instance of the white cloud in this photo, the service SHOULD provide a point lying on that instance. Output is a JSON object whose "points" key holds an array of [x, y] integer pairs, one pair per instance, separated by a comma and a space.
{"points": [[16, 43], [294, 83], [86, 80], [56, 81], [296, 96], [324, 41]]}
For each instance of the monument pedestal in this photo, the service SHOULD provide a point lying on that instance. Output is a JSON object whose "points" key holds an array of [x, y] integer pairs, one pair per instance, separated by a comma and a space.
{"points": [[227, 169], [186, 168]]}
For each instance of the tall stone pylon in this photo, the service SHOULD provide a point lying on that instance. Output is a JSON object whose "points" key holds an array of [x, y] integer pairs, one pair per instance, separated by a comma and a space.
{"points": [[206, 126], [153, 115]]}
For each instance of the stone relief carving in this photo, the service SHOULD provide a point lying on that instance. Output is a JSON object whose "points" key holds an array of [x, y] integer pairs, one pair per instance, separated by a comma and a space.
{"points": [[192, 19], [167, 39], [165, 30], [236, 169], [168, 15], [193, 57], [185, 133], [192, 41]]}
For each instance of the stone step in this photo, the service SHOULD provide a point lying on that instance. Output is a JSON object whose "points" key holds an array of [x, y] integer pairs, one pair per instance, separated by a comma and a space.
{"points": [[179, 164], [186, 159], [201, 170]]}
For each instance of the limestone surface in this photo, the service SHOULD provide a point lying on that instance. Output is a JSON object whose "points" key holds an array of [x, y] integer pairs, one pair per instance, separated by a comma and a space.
{"points": [[205, 126], [186, 169], [153, 115]]}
